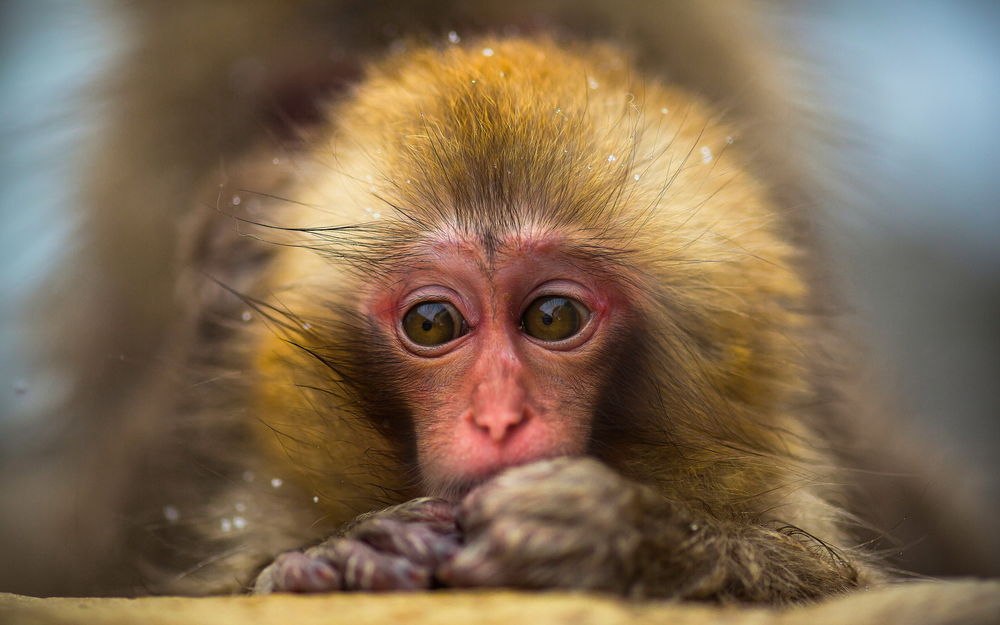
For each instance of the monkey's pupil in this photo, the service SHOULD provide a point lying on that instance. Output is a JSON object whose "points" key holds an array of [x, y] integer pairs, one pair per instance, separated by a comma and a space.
{"points": [[547, 319], [427, 325]]}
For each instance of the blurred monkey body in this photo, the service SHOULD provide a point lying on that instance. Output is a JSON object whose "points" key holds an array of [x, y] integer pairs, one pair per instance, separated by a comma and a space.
{"points": [[671, 442]]}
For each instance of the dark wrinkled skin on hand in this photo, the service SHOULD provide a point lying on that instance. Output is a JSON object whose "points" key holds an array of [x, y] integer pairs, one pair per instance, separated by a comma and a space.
{"points": [[398, 548]]}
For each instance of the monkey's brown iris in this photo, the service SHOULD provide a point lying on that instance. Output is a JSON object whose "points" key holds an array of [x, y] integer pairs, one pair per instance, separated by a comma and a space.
{"points": [[553, 318], [433, 323]]}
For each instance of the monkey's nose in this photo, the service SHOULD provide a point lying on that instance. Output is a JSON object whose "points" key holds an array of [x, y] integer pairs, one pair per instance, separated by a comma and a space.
{"points": [[497, 408], [497, 424]]}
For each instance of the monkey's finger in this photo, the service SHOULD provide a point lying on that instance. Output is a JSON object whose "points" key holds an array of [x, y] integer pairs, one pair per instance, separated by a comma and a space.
{"points": [[419, 543], [297, 572], [364, 568]]}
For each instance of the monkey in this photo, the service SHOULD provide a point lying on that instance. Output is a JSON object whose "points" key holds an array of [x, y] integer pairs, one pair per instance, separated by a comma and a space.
{"points": [[517, 316], [504, 312]]}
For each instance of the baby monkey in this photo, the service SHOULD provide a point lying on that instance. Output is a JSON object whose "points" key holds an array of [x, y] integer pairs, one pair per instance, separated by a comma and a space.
{"points": [[548, 299]]}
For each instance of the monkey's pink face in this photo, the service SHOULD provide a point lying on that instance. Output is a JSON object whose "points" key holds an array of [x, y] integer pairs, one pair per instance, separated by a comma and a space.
{"points": [[505, 353]]}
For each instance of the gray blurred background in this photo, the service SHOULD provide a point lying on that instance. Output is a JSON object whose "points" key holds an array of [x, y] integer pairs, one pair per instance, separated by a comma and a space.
{"points": [[917, 249]]}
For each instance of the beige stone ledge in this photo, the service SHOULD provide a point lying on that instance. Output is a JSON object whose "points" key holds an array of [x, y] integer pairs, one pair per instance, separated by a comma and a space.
{"points": [[966, 602]]}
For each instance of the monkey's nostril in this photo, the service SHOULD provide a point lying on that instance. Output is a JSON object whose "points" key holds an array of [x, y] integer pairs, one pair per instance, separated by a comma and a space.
{"points": [[497, 423]]}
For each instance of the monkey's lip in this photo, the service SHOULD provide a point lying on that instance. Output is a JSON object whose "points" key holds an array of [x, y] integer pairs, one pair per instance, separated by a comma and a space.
{"points": [[456, 485], [463, 472]]}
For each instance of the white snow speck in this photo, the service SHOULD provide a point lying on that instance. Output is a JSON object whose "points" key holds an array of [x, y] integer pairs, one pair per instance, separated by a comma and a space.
{"points": [[239, 522], [315, 498], [276, 482], [593, 84], [636, 176], [246, 316], [612, 158], [236, 200], [729, 140], [487, 51], [474, 81], [664, 110], [240, 507], [307, 326], [453, 37], [248, 476], [706, 154], [226, 525], [376, 215], [171, 513]]}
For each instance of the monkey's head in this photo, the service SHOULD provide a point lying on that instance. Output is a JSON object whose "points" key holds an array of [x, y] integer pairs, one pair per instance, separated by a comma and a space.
{"points": [[517, 251]]}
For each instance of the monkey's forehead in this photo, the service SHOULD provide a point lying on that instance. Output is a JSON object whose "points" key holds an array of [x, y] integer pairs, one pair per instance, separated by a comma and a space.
{"points": [[531, 133]]}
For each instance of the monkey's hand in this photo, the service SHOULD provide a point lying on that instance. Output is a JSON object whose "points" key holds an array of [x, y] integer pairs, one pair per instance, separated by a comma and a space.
{"points": [[398, 548], [574, 523], [563, 523]]}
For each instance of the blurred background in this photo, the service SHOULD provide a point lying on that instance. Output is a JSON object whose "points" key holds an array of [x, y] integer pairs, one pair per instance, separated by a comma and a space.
{"points": [[916, 249]]}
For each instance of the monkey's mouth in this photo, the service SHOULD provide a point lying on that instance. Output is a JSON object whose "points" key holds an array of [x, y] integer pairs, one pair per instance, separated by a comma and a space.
{"points": [[454, 489], [455, 485]]}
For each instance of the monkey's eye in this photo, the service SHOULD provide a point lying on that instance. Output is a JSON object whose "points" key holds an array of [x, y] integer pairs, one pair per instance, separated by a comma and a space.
{"points": [[553, 318], [433, 323]]}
